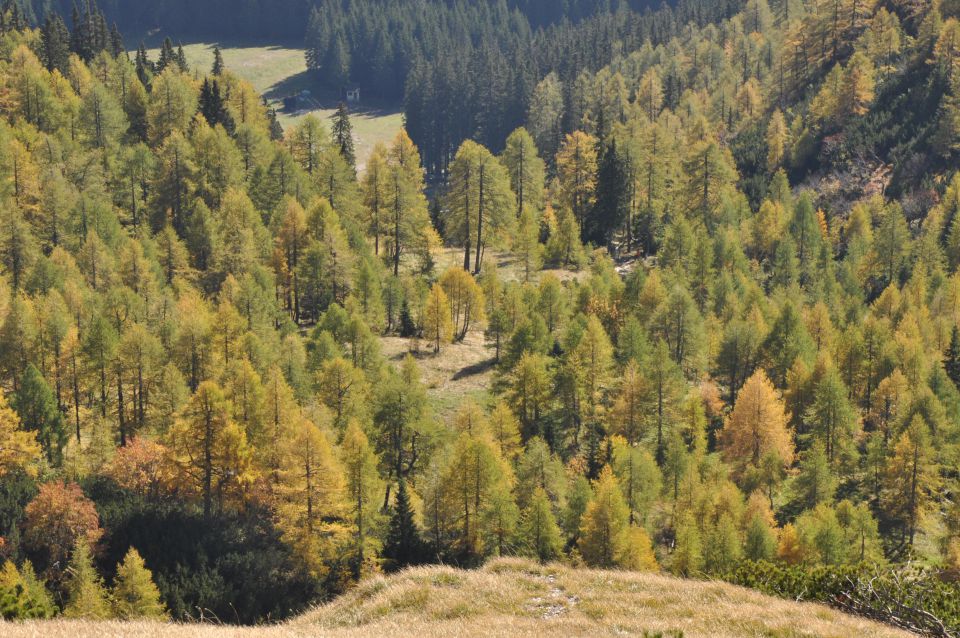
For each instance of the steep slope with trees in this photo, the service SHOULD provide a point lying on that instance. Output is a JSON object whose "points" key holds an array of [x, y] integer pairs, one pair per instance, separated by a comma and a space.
{"points": [[751, 375]]}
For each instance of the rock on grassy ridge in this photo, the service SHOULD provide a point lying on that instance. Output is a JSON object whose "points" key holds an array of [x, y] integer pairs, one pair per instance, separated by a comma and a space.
{"points": [[511, 597]]}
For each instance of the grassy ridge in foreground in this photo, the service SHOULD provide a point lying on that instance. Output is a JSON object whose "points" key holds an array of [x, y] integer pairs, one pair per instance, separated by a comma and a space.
{"points": [[511, 597]]}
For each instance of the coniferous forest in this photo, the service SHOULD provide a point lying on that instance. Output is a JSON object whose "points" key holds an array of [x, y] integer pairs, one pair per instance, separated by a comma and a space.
{"points": [[701, 262]]}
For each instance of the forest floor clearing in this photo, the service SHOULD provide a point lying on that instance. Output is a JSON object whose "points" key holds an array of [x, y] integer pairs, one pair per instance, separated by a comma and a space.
{"points": [[507, 264], [464, 369], [277, 71], [461, 370], [512, 597]]}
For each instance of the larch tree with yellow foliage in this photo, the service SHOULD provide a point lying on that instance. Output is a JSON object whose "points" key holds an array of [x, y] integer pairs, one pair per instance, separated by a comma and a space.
{"points": [[363, 489], [134, 593], [526, 170], [757, 426], [777, 138], [375, 190], [476, 486], [539, 533], [466, 300], [479, 202], [209, 449], [505, 430], [606, 538], [858, 87], [18, 447], [437, 322], [311, 498], [631, 401], [87, 596], [910, 477], [639, 477], [409, 227], [577, 170]]}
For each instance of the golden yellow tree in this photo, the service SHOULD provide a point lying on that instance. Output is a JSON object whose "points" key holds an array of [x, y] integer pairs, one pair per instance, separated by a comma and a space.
{"points": [[363, 487], [606, 538], [311, 506], [857, 91], [134, 593], [437, 322], [631, 403], [505, 430], [577, 169], [777, 135], [408, 225], [466, 300], [476, 484], [18, 448], [910, 477], [209, 449], [757, 426], [376, 193]]}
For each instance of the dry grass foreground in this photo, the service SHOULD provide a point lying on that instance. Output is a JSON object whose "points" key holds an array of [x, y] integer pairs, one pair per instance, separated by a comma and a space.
{"points": [[511, 597]]}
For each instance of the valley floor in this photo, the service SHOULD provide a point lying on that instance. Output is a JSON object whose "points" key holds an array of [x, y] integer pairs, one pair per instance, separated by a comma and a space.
{"points": [[511, 597]]}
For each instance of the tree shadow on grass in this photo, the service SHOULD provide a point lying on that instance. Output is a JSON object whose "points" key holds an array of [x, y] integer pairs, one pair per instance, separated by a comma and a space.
{"points": [[474, 369]]}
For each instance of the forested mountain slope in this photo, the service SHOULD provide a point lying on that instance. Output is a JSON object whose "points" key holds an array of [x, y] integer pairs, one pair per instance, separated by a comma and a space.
{"points": [[286, 18], [713, 280]]}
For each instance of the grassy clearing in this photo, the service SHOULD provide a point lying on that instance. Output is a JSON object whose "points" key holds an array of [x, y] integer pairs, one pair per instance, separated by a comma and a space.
{"points": [[460, 371], [279, 71], [506, 263], [463, 370], [511, 597], [267, 68], [369, 128]]}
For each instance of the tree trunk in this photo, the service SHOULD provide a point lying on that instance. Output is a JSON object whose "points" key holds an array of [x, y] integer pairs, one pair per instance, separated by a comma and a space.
{"points": [[476, 268], [466, 219]]}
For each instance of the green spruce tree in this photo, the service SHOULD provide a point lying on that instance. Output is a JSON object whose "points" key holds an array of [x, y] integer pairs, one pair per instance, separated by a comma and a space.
{"points": [[37, 407], [343, 135], [218, 66], [404, 546]]}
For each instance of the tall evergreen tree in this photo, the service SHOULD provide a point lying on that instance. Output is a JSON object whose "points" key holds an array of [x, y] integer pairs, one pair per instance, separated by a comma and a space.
{"points": [[343, 135], [37, 407], [403, 546], [336, 66], [218, 66], [56, 42], [144, 66], [167, 56], [213, 107], [276, 130], [951, 359], [117, 48], [612, 201], [181, 59]]}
